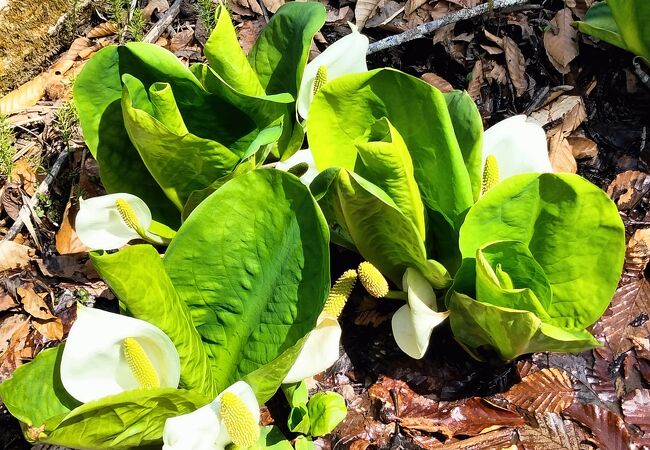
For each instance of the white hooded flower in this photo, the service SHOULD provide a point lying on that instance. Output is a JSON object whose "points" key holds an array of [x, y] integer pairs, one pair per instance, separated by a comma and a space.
{"points": [[414, 322], [231, 417], [110, 221], [347, 55], [519, 146], [106, 354], [304, 156]]}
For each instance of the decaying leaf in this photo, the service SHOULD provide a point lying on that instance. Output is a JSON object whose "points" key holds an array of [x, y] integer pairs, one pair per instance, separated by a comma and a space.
{"points": [[154, 6], [67, 241], [582, 147], [602, 376], [626, 317], [474, 87], [561, 41], [516, 64], [545, 391], [14, 256], [181, 40], [103, 29], [273, 5], [628, 188], [565, 108], [52, 329], [13, 336], [437, 81], [636, 409], [637, 254], [364, 10], [361, 428], [553, 433], [607, 428], [34, 303]]}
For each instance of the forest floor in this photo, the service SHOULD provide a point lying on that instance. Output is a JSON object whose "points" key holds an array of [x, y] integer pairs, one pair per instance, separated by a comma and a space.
{"points": [[523, 60]]}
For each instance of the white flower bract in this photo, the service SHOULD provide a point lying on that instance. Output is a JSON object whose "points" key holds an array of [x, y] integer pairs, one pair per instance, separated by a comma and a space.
{"points": [[204, 429], [518, 145], [94, 365], [414, 322], [301, 156], [99, 224], [347, 55]]}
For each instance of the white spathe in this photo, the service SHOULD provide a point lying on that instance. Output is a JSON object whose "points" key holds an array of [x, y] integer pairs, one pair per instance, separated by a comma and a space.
{"points": [[518, 145], [301, 156], [320, 351], [204, 428], [414, 322], [347, 55], [93, 364], [100, 226]]}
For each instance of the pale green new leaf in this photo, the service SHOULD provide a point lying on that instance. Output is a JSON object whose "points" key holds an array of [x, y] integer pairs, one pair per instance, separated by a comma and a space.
{"points": [[326, 410]]}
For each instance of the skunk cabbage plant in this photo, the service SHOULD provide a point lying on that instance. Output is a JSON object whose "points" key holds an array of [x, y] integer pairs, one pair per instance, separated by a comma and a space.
{"points": [[235, 270], [180, 130], [623, 23], [542, 255]]}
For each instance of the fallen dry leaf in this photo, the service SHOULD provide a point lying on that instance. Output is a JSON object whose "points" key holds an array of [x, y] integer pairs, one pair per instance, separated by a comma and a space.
{"points": [[545, 391], [582, 147], [181, 40], [553, 432], [363, 10], [24, 174], [67, 241], [561, 41], [623, 319], [13, 337], [34, 303], [637, 254], [607, 428], [516, 64], [561, 154], [103, 30], [437, 82], [51, 329], [474, 86], [565, 108], [273, 5], [154, 6], [6, 301], [248, 33], [14, 256], [628, 188]]}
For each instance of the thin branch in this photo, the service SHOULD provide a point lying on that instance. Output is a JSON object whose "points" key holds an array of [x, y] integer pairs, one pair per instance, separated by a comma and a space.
{"points": [[432, 26], [166, 20], [42, 189]]}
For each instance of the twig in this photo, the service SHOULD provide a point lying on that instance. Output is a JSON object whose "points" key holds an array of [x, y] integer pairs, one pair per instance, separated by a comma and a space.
{"points": [[166, 20], [642, 74], [42, 189], [429, 27]]}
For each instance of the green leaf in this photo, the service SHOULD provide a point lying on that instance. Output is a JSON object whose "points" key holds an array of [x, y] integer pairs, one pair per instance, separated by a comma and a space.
{"points": [[137, 277], [632, 18], [280, 53], [296, 393], [254, 273], [97, 97], [34, 392], [416, 109], [507, 275], [326, 411], [129, 420], [298, 420], [385, 161], [468, 128], [179, 161], [304, 443], [599, 23], [483, 329], [226, 57], [572, 229], [271, 438]]}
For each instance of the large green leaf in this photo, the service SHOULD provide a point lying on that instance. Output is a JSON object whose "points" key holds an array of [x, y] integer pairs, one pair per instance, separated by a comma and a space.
{"points": [[379, 230], [97, 97], [633, 20], [227, 58], [326, 410], [572, 229], [252, 264], [385, 161], [179, 161], [468, 127], [130, 420], [280, 53], [483, 329], [599, 23], [34, 392], [35, 396], [346, 107], [137, 277]]}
